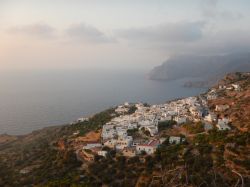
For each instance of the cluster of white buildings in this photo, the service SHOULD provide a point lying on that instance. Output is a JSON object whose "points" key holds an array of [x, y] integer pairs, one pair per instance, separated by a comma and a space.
{"points": [[212, 94], [235, 87], [146, 118], [221, 123], [115, 133], [121, 109]]}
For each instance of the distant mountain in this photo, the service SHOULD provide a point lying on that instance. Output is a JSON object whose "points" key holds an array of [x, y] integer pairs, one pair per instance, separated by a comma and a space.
{"points": [[205, 68]]}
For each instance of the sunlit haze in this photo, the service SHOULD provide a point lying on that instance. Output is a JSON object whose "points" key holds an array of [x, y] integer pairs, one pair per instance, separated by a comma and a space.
{"points": [[73, 34]]}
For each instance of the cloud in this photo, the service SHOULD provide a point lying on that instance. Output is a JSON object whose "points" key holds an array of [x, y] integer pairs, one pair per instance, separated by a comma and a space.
{"points": [[222, 42], [187, 38], [235, 40], [180, 32], [210, 9], [38, 30], [86, 33]]}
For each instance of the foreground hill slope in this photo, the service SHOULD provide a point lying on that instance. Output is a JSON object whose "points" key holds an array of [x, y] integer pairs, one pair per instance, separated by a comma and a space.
{"points": [[237, 152], [50, 157]]}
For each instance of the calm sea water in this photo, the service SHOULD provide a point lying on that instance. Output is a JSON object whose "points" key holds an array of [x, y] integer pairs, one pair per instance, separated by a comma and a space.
{"points": [[33, 100]]}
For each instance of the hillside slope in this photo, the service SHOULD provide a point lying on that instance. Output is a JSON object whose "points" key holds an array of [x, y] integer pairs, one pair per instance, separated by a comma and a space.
{"points": [[237, 100]]}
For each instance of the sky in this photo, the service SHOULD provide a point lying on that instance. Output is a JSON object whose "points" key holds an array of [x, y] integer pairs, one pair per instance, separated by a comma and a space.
{"points": [[137, 34]]}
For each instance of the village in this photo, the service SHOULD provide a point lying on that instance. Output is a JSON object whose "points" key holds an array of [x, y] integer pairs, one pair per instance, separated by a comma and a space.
{"points": [[153, 142], [137, 133]]}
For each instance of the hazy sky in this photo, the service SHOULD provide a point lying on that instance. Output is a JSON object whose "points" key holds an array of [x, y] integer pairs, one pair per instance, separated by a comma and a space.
{"points": [[53, 34]]}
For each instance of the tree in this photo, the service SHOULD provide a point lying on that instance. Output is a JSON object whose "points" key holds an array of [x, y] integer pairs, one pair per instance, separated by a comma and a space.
{"points": [[166, 124], [132, 109], [132, 132]]}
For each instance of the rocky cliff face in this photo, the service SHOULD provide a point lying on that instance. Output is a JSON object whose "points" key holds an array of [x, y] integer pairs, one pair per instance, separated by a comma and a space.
{"points": [[206, 68]]}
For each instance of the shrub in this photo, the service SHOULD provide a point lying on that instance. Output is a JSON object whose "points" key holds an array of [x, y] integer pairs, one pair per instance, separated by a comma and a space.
{"points": [[166, 124]]}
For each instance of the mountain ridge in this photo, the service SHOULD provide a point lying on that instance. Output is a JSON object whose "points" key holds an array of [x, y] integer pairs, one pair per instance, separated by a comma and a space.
{"points": [[204, 68]]}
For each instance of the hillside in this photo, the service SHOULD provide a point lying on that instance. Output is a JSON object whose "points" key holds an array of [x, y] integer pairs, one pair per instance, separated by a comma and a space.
{"points": [[234, 91], [238, 100], [203, 156]]}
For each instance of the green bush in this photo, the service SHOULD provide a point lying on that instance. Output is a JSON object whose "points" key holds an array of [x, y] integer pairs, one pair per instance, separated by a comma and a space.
{"points": [[166, 124]]}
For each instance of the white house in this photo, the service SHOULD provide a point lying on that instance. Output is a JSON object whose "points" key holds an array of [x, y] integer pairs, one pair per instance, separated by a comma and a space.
{"points": [[223, 126], [76, 133], [121, 143], [172, 112], [230, 88], [236, 87], [132, 126], [221, 108], [82, 119], [196, 111], [126, 104], [210, 117], [149, 148], [180, 119], [122, 132], [151, 126], [122, 108], [175, 140], [138, 142], [92, 145], [110, 143], [211, 96], [222, 87], [191, 100], [129, 151], [108, 132], [167, 118], [162, 140], [223, 121], [102, 153], [153, 130]]}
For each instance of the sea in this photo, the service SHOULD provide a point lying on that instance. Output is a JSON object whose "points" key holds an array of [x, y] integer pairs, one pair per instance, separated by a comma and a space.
{"points": [[31, 100]]}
